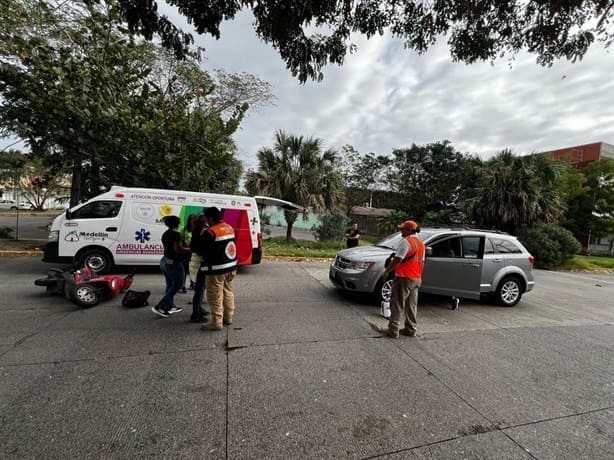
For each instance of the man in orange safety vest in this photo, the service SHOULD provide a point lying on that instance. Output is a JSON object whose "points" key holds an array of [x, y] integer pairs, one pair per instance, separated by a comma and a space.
{"points": [[220, 266], [407, 266]]}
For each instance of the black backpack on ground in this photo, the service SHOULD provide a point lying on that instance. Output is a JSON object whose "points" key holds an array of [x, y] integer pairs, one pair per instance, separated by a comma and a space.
{"points": [[135, 299]]}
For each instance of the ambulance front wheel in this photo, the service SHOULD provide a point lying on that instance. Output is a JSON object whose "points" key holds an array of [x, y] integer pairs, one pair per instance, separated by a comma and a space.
{"points": [[97, 260]]}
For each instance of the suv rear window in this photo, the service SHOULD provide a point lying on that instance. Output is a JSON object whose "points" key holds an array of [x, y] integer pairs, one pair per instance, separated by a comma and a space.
{"points": [[471, 247], [502, 246]]}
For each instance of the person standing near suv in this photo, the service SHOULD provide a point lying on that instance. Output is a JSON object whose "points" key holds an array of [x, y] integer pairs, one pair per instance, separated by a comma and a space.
{"points": [[407, 265], [352, 235]]}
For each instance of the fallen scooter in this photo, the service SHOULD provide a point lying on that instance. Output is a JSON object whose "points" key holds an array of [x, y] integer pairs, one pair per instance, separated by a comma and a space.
{"points": [[83, 287]]}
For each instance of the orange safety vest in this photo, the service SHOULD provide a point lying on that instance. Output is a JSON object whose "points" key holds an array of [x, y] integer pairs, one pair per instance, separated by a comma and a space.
{"points": [[221, 256], [412, 264]]}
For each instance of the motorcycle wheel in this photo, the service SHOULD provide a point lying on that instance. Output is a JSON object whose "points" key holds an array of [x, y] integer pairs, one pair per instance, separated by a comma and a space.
{"points": [[85, 295]]}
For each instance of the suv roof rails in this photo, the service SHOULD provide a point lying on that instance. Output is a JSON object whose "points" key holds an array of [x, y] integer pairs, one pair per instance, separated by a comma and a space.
{"points": [[487, 230], [452, 227]]}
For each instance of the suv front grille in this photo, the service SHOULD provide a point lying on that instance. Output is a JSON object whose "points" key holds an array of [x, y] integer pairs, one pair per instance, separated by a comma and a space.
{"points": [[342, 263]]}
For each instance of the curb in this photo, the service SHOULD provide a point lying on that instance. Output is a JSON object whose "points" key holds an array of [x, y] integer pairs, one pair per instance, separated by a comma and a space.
{"points": [[298, 258], [20, 253]]}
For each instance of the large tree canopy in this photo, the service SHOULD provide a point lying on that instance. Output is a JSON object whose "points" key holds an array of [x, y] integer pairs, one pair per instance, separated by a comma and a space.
{"points": [[513, 193], [80, 91], [311, 34], [431, 176]]}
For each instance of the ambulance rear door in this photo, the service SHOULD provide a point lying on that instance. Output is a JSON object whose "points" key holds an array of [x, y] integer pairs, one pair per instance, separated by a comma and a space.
{"points": [[285, 205]]}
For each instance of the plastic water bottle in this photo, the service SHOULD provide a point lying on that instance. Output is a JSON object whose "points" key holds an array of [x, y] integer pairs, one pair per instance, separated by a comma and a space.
{"points": [[385, 309]]}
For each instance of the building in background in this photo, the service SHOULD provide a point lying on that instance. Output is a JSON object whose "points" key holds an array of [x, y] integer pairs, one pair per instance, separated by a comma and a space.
{"points": [[579, 156], [368, 218]]}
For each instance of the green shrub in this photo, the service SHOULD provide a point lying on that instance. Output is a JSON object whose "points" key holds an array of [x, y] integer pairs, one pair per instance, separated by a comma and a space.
{"points": [[389, 224], [332, 226], [5, 232], [551, 245]]}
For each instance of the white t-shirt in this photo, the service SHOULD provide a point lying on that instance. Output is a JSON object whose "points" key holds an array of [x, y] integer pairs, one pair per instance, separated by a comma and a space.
{"points": [[402, 249]]}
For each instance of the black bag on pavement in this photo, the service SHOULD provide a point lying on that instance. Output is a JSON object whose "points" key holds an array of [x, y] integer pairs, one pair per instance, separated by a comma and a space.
{"points": [[135, 299]]}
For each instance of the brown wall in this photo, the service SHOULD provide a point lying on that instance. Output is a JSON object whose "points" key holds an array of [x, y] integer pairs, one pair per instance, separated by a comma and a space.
{"points": [[579, 155]]}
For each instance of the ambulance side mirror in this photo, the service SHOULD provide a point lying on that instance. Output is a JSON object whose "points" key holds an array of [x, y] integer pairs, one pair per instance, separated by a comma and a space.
{"points": [[68, 214]]}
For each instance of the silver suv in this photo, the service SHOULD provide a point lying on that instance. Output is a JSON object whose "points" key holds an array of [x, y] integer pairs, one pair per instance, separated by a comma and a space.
{"points": [[461, 263]]}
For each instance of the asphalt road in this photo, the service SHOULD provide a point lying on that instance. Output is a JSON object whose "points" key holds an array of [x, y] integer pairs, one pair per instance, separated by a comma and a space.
{"points": [[27, 226], [302, 374]]}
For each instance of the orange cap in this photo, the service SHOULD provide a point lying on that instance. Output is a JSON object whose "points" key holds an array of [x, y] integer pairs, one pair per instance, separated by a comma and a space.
{"points": [[408, 224]]}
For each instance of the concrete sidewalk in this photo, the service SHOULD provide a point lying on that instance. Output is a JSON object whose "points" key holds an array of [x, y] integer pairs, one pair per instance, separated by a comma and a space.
{"points": [[302, 374]]}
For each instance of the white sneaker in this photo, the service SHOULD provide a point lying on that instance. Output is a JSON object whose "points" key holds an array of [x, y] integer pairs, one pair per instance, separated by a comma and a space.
{"points": [[174, 310], [160, 311]]}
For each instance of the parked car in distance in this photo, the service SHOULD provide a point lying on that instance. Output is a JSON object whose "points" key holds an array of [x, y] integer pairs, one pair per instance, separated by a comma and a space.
{"points": [[12, 205], [8, 204], [464, 263]]}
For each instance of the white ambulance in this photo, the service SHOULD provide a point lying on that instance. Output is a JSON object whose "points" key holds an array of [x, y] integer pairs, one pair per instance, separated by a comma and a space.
{"points": [[124, 226]]}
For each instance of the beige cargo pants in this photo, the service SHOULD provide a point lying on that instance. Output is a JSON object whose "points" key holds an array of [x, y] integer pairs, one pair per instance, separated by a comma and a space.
{"points": [[404, 304], [220, 297]]}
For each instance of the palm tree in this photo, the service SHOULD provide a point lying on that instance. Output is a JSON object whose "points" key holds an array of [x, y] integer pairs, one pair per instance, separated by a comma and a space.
{"points": [[295, 169], [513, 192]]}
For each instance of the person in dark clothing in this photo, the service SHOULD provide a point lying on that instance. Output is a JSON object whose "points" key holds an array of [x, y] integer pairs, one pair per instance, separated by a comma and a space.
{"points": [[197, 245], [352, 235], [171, 266]]}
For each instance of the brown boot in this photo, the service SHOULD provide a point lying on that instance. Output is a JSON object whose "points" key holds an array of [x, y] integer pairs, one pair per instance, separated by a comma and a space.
{"points": [[211, 327], [389, 333], [408, 332], [227, 320]]}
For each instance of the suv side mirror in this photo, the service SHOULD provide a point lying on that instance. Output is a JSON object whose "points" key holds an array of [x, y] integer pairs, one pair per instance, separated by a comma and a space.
{"points": [[429, 251]]}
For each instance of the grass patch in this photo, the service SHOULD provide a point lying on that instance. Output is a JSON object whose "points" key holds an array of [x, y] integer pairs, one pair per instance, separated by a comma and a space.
{"points": [[278, 246], [589, 263]]}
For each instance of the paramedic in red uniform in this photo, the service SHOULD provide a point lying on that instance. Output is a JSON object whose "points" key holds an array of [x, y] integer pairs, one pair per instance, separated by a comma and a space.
{"points": [[407, 267], [220, 266]]}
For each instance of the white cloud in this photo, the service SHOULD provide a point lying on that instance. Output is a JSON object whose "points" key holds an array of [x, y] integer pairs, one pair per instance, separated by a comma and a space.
{"points": [[386, 97]]}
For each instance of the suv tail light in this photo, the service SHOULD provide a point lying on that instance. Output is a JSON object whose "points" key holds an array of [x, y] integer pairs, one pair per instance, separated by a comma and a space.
{"points": [[531, 260]]}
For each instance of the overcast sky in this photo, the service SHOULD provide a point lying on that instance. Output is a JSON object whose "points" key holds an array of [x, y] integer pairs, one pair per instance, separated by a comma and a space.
{"points": [[385, 97]]}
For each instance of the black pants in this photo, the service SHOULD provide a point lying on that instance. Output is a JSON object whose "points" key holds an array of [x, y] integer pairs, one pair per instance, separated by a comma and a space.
{"points": [[186, 265], [197, 299]]}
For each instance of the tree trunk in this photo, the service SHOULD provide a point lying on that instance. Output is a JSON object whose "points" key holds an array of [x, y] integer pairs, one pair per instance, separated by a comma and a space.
{"points": [[290, 219], [75, 186]]}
